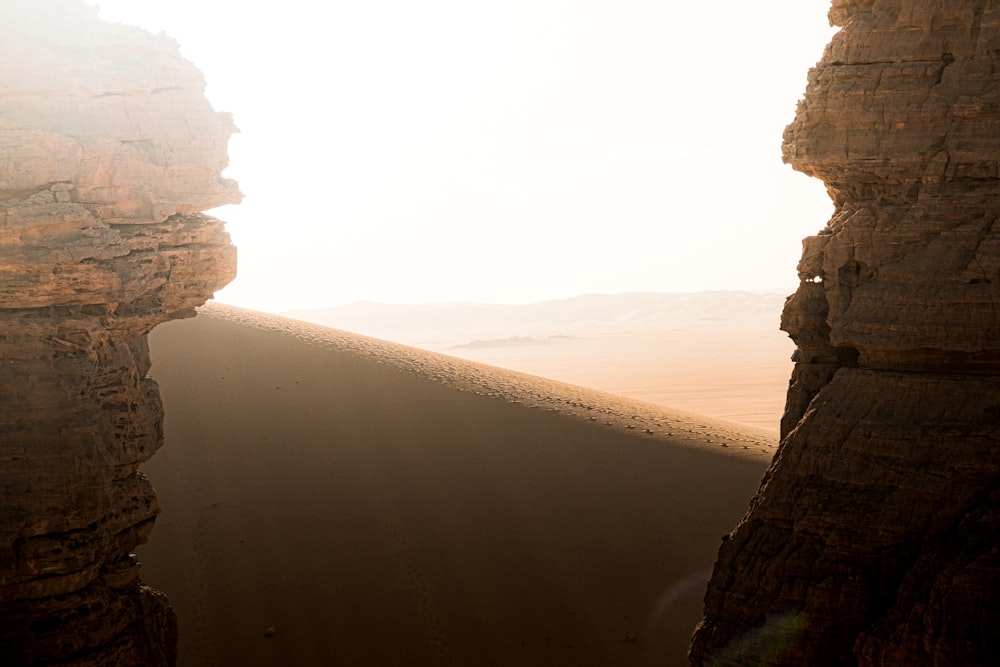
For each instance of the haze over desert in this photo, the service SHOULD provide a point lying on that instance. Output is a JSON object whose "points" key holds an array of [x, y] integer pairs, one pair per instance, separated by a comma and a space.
{"points": [[536, 395]]}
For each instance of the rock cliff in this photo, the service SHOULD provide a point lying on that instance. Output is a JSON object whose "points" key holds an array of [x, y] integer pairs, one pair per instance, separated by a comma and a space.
{"points": [[873, 537], [109, 152]]}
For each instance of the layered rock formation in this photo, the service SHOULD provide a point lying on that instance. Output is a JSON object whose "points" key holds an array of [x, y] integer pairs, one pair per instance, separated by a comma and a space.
{"points": [[109, 151], [873, 539]]}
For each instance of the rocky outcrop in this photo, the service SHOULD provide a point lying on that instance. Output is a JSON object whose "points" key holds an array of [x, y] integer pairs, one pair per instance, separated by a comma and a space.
{"points": [[873, 537], [109, 152]]}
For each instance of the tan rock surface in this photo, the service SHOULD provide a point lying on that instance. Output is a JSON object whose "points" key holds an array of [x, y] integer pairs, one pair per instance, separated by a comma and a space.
{"points": [[108, 153], [873, 537]]}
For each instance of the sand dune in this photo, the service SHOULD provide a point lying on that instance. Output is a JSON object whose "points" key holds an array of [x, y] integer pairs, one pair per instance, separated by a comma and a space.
{"points": [[374, 504]]}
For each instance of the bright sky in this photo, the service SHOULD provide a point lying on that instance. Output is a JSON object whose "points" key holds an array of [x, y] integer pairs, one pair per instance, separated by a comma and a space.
{"points": [[508, 151]]}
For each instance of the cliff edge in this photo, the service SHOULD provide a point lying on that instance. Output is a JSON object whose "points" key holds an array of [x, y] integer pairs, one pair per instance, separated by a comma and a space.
{"points": [[109, 152], [873, 537]]}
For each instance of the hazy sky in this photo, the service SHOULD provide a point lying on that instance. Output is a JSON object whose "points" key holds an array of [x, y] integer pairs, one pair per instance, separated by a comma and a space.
{"points": [[414, 151]]}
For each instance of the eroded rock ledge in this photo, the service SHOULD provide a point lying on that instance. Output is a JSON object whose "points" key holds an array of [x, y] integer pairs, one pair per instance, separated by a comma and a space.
{"points": [[109, 152], [873, 537]]}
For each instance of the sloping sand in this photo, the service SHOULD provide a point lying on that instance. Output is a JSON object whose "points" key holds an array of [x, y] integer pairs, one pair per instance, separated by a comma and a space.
{"points": [[374, 504]]}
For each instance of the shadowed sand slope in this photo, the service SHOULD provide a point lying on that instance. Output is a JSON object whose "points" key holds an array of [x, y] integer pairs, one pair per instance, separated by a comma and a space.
{"points": [[375, 505]]}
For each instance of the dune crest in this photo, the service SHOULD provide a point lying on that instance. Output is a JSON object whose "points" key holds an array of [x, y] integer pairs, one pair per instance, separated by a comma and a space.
{"points": [[656, 421]]}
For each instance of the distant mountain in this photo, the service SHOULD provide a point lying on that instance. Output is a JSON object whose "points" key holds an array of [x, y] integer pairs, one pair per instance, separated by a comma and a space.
{"points": [[444, 325], [510, 341]]}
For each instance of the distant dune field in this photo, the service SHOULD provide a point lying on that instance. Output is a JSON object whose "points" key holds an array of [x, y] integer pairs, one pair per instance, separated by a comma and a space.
{"points": [[331, 499], [717, 353]]}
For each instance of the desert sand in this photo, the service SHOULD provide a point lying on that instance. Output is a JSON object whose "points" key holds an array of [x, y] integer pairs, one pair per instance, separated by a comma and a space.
{"points": [[332, 499], [733, 372]]}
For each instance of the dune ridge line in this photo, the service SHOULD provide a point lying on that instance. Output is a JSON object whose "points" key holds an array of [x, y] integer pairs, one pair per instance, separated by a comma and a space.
{"points": [[572, 401]]}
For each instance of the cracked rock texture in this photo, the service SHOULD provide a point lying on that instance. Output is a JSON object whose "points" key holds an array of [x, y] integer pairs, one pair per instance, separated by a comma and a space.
{"points": [[109, 152], [873, 539]]}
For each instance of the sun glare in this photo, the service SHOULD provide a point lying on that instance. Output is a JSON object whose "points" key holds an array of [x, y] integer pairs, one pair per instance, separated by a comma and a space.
{"points": [[504, 151]]}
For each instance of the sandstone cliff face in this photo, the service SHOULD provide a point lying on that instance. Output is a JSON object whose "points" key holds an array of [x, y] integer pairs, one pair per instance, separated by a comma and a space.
{"points": [[873, 539], [108, 153]]}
